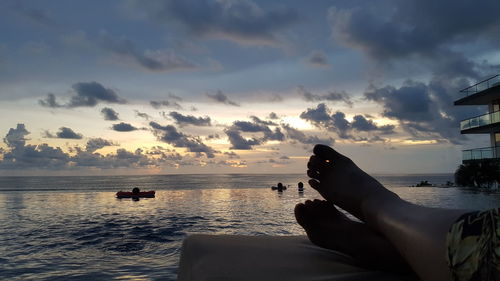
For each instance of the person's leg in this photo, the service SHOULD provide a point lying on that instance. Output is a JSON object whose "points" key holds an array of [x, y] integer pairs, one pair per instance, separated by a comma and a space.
{"points": [[328, 228], [419, 233]]}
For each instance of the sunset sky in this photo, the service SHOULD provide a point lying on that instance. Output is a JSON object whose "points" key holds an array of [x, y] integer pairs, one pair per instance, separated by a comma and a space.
{"points": [[235, 86]]}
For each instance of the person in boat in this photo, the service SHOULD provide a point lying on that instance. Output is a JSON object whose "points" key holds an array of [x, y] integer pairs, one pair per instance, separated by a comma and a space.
{"points": [[393, 234], [281, 187], [136, 191]]}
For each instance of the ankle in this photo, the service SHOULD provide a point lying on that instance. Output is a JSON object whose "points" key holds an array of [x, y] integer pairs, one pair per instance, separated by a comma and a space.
{"points": [[374, 207]]}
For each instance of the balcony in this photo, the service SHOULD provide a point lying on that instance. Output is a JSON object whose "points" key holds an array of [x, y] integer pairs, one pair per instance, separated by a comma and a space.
{"points": [[481, 93], [481, 124], [481, 153]]}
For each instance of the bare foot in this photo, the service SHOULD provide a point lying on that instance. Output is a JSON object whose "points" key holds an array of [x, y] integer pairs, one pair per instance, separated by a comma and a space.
{"points": [[343, 183], [328, 228]]}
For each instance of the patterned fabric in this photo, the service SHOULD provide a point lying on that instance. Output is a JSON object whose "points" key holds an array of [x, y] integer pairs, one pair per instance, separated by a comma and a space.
{"points": [[473, 246]]}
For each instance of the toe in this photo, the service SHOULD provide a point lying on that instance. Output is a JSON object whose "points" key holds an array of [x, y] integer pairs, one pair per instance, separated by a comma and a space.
{"points": [[300, 212], [313, 174], [328, 153], [317, 164], [314, 184]]}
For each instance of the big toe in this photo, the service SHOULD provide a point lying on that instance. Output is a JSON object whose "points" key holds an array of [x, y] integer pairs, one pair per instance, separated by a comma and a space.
{"points": [[327, 153]]}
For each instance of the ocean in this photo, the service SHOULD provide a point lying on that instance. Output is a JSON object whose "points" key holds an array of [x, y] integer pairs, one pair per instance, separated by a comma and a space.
{"points": [[73, 228]]}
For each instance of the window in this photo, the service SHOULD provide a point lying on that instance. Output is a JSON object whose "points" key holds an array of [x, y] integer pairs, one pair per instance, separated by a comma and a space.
{"points": [[496, 105]]}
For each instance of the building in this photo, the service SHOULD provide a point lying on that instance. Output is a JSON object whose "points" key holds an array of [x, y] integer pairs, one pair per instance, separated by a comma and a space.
{"points": [[486, 92]]}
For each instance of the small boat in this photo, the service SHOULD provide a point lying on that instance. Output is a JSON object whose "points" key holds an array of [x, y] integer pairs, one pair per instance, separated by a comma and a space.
{"points": [[142, 194]]}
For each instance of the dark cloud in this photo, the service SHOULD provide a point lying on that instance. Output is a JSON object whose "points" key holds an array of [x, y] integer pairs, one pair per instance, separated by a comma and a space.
{"points": [[330, 96], [87, 94], [123, 127], [16, 137], [142, 115], [255, 127], [238, 142], [109, 114], [90, 93], [170, 135], [165, 103], [234, 133], [221, 98], [426, 111], [150, 60], [319, 116], [263, 122], [50, 101], [417, 29], [273, 116], [65, 133], [336, 122], [360, 123], [317, 59], [97, 143], [241, 21], [232, 155], [183, 120], [299, 136], [44, 157]]}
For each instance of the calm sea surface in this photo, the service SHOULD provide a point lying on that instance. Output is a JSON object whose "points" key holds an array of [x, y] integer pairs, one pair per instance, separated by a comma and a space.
{"points": [[73, 228]]}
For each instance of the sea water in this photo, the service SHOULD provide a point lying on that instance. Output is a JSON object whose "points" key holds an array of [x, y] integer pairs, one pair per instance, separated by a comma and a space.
{"points": [[73, 228]]}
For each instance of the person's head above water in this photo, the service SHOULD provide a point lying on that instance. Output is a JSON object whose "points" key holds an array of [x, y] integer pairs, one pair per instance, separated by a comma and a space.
{"points": [[301, 185], [280, 184], [136, 190]]}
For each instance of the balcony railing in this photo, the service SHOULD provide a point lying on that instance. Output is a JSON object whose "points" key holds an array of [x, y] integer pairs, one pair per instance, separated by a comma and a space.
{"points": [[481, 86], [481, 153], [481, 120]]}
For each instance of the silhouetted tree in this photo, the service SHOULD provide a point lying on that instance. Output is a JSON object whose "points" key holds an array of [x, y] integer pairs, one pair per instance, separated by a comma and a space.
{"points": [[480, 174]]}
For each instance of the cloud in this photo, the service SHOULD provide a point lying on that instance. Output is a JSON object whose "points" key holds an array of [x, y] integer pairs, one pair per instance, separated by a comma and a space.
{"points": [[50, 101], [165, 103], [90, 93], [86, 94], [20, 156], [170, 135], [232, 155], [183, 120], [419, 30], [64, 133], [255, 127], [426, 111], [273, 116], [213, 137], [322, 118], [157, 60], [330, 96], [16, 137], [142, 114], [97, 143], [221, 98], [123, 127], [240, 21], [238, 142], [299, 136], [263, 122], [234, 133], [109, 114], [317, 59]]}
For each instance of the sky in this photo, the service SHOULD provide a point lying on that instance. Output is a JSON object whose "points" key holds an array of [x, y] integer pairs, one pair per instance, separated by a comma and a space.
{"points": [[235, 86]]}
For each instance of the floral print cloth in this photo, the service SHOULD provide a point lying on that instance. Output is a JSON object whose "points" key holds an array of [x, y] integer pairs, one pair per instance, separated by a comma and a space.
{"points": [[473, 246]]}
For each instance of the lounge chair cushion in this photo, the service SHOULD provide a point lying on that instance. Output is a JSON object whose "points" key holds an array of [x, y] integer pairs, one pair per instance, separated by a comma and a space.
{"points": [[235, 257]]}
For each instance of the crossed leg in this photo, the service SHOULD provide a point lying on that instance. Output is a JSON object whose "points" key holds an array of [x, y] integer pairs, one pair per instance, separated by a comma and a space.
{"points": [[329, 228], [417, 232]]}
